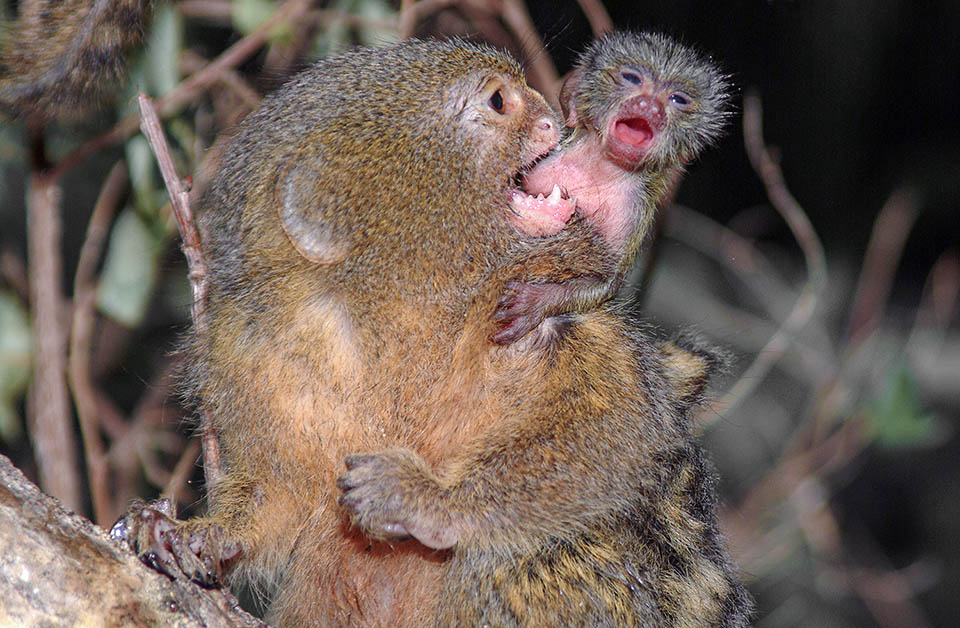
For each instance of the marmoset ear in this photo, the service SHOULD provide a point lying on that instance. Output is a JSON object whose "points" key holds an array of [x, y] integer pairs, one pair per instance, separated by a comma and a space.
{"points": [[688, 364], [302, 208]]}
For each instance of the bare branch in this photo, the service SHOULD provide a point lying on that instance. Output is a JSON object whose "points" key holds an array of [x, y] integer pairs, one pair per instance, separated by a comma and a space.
{"points": [[890, 231], [597, 15], [180, 201], [13, 271], [177, 483], [198, 274], [220, 11], [187, 90], [543, 74], [408, 19], [228, 77], [81, 336], [51, 430], [58, 569], [787, 206]]}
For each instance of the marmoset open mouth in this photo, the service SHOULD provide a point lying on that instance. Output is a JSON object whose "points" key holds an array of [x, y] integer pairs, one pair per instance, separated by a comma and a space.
{"points": [[635, 131], [539, 215]]}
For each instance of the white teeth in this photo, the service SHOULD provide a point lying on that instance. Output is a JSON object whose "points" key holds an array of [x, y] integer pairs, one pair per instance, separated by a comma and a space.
{"points": [[555, 195], [540, 197]]}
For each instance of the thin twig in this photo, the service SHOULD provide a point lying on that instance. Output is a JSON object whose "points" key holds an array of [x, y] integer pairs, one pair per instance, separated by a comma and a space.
{"points": [[177, 483], [543, 73], [787, 206], [813, 463], [14, 272], [889, 598], [890, 231], [487, 25], [738, 254], [219, 10], [325, 17], [81, 339], [408, 19], [129, 438], [931, 327], [757, 273], [229, 78], [198, 274], [51, 429], [888, 595], [941, 293], [424, 8], [233, 56], [598, 17], [180, 201]]}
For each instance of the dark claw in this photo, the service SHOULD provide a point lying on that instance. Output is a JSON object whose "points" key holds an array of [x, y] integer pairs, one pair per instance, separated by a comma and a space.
{"points": [[190, 564], [521, 309], [514, 331], [167, 546]]}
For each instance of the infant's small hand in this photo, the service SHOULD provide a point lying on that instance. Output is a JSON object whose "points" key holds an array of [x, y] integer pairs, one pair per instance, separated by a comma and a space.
{"points": [[521, 308]]}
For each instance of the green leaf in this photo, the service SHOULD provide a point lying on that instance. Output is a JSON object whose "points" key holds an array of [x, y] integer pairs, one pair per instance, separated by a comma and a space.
{"points": [[140, 163], [16, 353], [248, 15], [163, 50], [896, 416], [375, 11], [129, 273]]}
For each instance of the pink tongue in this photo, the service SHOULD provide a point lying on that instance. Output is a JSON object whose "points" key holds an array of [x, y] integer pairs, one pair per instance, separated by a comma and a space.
{"points": [[633, 131]]}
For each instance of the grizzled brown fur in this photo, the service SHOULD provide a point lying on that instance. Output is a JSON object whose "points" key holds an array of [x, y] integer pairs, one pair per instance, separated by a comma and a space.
{"points": [[588, 503], [59, 56], [354, 217]]}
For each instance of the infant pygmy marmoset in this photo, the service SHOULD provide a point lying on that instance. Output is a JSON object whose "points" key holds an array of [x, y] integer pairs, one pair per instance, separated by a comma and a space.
{"points": [[641, 106]]}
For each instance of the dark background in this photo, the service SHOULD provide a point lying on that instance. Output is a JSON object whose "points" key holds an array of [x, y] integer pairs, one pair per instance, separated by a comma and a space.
{"points": [[861, 100]]}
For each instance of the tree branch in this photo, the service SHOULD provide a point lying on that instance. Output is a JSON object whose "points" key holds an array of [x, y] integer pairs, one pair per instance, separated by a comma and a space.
{"points": [[58, 569]]}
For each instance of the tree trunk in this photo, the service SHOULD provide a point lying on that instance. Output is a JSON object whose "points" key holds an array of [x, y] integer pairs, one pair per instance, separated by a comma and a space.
{"points": [[59, 569]]}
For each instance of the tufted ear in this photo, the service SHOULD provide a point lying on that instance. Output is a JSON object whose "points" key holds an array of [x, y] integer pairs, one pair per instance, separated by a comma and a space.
{"points": [[568, 97], [688, 364], [306, 214]]}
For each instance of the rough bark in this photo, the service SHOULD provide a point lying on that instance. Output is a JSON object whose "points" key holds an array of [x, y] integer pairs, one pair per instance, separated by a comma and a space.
{"points": [[59, 569]]}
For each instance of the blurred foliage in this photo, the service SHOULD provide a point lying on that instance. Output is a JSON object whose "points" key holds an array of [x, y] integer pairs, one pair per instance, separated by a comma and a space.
{"points": [[129, 273], [804, 532], [15, 363], [897, 416]]}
